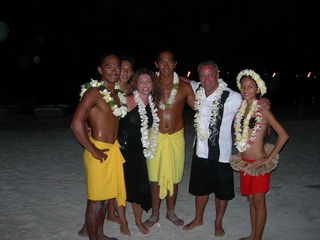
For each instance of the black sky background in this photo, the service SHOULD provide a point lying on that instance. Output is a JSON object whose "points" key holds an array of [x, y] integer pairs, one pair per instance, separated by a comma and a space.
{"points": [[51, 47]]}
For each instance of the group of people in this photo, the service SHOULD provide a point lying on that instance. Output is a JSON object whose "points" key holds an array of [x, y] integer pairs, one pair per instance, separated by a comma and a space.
{"points": [[133, 136]]}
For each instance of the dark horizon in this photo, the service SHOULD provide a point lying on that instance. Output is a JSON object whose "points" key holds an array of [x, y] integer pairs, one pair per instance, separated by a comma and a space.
{"points": [[48, 50]]}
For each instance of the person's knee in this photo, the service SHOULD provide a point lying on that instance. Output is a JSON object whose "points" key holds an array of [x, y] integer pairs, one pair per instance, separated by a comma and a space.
{"points": [[259, 204], [259, 201], [96, 206], [250, 200]]}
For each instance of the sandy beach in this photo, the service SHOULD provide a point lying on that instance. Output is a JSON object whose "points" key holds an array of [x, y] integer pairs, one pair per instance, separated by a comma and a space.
{"points": [[43, 187]]}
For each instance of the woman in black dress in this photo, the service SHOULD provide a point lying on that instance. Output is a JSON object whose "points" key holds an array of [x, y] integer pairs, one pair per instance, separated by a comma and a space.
{"points": [[143, 96]]}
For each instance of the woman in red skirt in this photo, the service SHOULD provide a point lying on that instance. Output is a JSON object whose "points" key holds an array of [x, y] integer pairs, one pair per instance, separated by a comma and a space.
{"points": [[251, 124]]}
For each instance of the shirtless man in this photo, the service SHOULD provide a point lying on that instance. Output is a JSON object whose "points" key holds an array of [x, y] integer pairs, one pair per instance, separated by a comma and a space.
{"points": [[102, 157], [166, 168]]}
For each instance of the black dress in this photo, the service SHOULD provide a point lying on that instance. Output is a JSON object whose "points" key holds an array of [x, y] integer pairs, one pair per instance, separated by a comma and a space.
{"points": [[135, 167]]}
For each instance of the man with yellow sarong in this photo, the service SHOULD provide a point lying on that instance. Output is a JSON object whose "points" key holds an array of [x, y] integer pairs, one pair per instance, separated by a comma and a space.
{"points": [[166, 168], [101, 107]]}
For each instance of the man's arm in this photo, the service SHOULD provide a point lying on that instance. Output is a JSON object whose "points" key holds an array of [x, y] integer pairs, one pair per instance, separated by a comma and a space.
{"points": [[194, 86], [185, 79], [78, 124], [265, 104], [190, 96]]}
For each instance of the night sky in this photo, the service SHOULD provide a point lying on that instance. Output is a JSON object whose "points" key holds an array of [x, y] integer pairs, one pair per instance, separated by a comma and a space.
{"points": [[49, 48]]}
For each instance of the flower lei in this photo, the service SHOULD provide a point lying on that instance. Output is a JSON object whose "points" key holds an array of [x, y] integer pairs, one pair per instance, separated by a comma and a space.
{"points": [[255, 76], [242, 142], [149, 141], [203, 135], [173, 92], [119, 112]]}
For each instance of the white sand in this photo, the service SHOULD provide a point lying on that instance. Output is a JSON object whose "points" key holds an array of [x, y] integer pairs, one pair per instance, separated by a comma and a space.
{"points": [[43, 190]]}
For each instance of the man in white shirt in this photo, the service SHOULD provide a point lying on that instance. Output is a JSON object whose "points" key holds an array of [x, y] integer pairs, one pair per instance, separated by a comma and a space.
{"points": [[216, 106]]}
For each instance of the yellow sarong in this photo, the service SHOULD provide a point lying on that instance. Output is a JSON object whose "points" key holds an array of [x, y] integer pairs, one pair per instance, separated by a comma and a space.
{"points": [[166, 168], [105, 180]]}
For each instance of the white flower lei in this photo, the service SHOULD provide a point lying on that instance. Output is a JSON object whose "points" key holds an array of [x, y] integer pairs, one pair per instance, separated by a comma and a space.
{"points": [[242, 142], [203, 135], [255, 76], [173, 92], [148, 136], [119, 112]]}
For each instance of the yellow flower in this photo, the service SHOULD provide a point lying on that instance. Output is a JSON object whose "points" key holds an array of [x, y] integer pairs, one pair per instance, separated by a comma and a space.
{"points": [[255, 76]]}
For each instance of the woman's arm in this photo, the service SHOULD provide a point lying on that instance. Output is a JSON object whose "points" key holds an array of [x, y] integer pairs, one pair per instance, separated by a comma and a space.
{"points": [[281, 139]]}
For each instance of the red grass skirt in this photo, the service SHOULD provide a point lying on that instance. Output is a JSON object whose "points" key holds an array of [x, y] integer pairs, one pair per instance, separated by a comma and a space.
{"points": [[250, 185]]}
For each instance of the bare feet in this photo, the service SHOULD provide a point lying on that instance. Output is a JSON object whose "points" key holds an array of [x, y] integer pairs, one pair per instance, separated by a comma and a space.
{"points": [[124, 230], [83, 231], [171, 216], [108, 238], [151, 221], [143, 229], [219, 232], [113, 218], [192, 225]]}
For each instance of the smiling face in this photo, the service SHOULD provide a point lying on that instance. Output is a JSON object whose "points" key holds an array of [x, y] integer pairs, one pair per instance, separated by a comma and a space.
{"points": [[144, 84], [166, 63], [208, 78], [110, 69], [126, 71], [249, 89]]}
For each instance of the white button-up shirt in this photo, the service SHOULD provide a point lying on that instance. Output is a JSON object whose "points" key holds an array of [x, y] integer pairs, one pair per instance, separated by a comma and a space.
{"points": [[230, 109]]}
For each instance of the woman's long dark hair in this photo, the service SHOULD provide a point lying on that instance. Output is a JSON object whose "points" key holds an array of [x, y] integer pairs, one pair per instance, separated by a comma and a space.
{"points": [[156, 90]]}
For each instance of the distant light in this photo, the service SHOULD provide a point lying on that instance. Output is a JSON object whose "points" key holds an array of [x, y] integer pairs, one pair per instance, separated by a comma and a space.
{"points": [[189, 72], [4, 31], [309, 74], [274, 74], [228, 73], [36, 59]]}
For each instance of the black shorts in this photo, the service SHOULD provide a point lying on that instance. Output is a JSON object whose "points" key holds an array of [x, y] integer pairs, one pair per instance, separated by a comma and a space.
{"points": [[211, 177]]}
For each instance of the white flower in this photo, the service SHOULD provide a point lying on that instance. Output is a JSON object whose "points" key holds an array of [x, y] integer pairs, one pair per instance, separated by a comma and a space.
{"points": [[148, 136], [242, 142], [203, 135], [255, 76], [95, 83], [173, 93], [118, 112]]}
